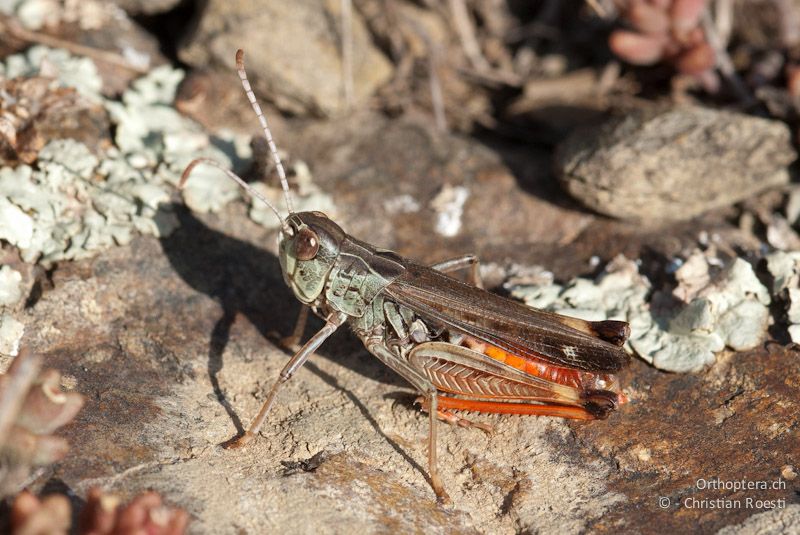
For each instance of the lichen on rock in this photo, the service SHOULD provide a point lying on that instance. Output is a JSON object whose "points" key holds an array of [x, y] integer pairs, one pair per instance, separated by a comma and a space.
{"points": [[78, 202], [10, 286], [11, 332], [785, 270], [730, 310]]}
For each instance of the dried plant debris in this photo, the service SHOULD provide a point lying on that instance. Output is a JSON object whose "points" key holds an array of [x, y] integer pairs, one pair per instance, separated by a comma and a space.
{"points": [[103, 514], [32, 407], [785, 270], [34, 111], [729, 309], [67, 70], [792, 209], [764, 24]]}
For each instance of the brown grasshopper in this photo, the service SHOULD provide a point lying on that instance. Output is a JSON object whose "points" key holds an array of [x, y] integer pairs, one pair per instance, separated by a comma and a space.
{"points": [[460, 346]]}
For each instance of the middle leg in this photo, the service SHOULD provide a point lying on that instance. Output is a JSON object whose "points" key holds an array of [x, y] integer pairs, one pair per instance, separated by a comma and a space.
{"points": [[292, 341]]}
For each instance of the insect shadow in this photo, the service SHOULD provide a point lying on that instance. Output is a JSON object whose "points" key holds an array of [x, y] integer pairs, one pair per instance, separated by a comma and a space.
{"points": [[246, 279]]}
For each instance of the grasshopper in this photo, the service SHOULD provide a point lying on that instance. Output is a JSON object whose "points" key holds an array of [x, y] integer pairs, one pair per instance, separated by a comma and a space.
{"points": [[460, 346]]}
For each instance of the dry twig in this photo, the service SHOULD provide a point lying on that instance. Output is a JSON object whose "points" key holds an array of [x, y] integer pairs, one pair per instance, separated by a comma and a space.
{"points": [[347, 52], [724, 62], [11, 27]]}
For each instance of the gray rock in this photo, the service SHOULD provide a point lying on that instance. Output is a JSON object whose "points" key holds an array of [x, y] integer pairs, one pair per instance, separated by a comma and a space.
{"points": [[674, 164], [294, 52], [782, 520]]}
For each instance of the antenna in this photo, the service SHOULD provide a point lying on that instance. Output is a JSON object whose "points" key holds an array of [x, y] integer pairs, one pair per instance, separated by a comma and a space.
{"points": [[272, 148], [236, 178], [264, 126]]}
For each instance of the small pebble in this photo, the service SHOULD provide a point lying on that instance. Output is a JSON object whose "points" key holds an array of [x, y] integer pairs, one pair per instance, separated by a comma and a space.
{"points": [[788, 472]]}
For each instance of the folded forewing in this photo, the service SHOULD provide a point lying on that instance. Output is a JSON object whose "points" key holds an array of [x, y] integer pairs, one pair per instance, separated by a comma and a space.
{"points": [[507, 324]]}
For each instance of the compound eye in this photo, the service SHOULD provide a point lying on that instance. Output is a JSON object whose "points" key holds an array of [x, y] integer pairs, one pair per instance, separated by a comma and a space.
{"points": [[306, 244]]}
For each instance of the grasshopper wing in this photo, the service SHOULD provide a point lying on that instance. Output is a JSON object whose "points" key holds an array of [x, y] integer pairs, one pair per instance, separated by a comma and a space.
{"points": [[509, 325]]}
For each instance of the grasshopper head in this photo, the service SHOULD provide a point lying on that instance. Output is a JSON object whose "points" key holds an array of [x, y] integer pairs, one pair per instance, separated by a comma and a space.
{"points": [[307, 250]]}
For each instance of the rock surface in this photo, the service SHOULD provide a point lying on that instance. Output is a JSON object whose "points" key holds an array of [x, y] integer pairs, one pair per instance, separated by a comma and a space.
{"points": [[395, 178], [170, 340], [169, 343], [172, 356], [674, 164], [302, 71]]}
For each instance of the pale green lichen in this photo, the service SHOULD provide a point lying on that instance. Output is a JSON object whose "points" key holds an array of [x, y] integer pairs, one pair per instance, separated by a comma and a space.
{"points": [[11, 332], [65, 210], [731, 310], [76, 203], [449, 207], [208, 190], [16, 227], [153, 135], [10, 286], [39, 14], [785, 270], [734, 307]]}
